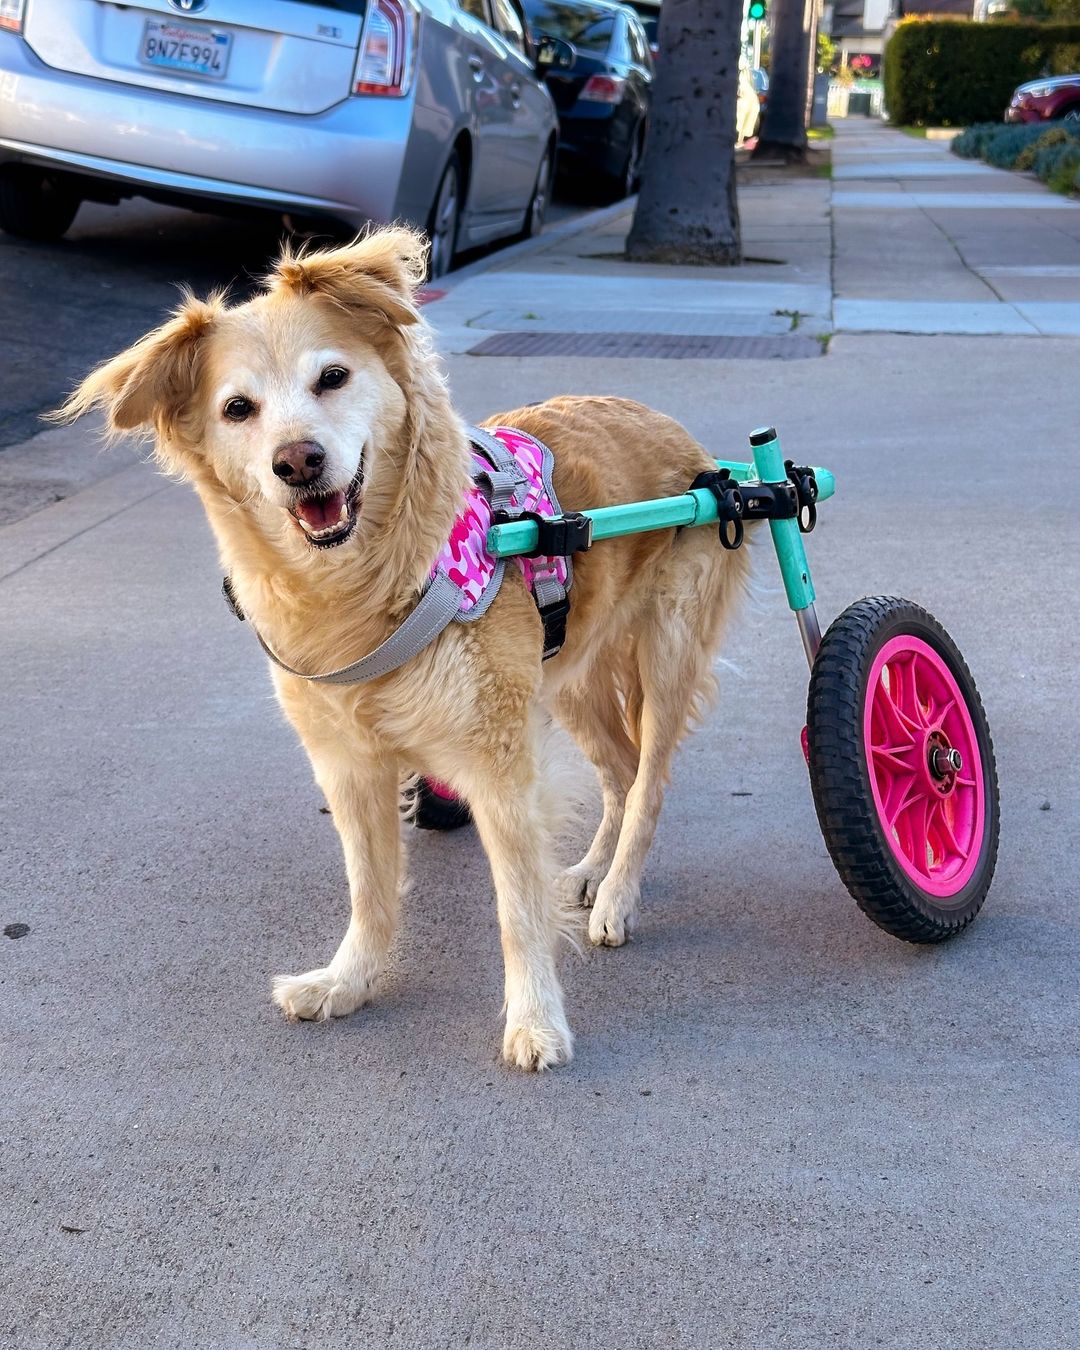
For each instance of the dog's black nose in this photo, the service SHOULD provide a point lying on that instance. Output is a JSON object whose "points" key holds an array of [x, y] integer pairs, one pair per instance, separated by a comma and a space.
{"points": [[299, 462]]}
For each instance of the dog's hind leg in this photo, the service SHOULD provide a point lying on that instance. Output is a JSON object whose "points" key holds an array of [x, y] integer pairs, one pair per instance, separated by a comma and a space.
{"points": [[509, 811], [591, 712], [674, 650], [364, 800]]}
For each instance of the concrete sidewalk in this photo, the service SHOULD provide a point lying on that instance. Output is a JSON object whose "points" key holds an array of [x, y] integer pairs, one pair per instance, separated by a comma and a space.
{"points": [[929, 243]]}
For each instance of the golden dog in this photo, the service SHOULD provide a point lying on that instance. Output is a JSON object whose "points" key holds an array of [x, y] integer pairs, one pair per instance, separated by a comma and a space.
{"points": [[315, 425]]}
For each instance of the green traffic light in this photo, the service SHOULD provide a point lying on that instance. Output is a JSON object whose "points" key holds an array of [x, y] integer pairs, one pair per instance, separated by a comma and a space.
{"points": [[756, 10]]}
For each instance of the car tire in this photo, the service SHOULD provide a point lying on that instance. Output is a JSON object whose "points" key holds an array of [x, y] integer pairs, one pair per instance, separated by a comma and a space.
{"points": [[541, 196], [625, 182], [445, 219], [36, 205], [1071, 114]]}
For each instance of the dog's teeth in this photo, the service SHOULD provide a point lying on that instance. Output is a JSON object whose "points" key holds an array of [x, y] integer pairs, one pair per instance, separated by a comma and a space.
{"points": [[343, 514]]}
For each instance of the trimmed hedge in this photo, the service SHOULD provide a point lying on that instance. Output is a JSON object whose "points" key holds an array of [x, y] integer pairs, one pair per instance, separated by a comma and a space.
{"points": [[951, 73], [1052, 152]]}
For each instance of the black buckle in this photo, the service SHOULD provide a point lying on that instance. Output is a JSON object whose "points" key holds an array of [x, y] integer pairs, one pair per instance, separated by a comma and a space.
{"points": [[729, 504], [806, 490], [554, 618], [230, 598], [556, 536]]}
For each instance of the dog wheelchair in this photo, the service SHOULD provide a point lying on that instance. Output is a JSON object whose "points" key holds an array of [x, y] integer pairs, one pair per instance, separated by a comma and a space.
{"points": [[896, 740]]}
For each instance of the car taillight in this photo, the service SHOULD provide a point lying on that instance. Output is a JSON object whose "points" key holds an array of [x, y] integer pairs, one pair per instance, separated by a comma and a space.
{"points": [[603, 89], [11, 15], [387, 48]]}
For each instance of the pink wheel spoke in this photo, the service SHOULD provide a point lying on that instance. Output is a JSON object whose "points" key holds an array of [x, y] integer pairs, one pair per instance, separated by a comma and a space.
{"points": [[940, 821], [896, 725], [891, 758], [910, 794], [940, 714], [902, 691]]}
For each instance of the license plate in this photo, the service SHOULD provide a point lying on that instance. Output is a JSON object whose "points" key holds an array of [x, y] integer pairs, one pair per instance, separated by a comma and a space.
{"points": [[186, 50]]}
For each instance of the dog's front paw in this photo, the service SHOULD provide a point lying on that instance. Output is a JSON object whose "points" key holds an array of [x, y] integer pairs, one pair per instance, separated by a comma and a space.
{"points": [[319, 994], [537, 1043], [614, 914]]}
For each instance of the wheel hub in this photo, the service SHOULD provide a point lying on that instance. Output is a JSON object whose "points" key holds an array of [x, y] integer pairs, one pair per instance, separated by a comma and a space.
{"points": [[943, 763]]}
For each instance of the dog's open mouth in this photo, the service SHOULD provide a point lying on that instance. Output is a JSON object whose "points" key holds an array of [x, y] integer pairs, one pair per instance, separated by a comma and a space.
{"points": [[328, 519]]}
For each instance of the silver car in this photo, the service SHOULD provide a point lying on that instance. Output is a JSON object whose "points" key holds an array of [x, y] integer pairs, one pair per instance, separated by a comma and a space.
{"points": [[429, 111]]}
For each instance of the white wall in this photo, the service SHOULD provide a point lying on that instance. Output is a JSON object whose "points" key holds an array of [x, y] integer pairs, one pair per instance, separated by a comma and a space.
{"points": [[875, 12]]}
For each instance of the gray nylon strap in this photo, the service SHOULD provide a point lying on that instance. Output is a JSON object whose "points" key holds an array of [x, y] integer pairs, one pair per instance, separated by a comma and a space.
{"points": [[502, 487], [434, 612], [495, 451]]}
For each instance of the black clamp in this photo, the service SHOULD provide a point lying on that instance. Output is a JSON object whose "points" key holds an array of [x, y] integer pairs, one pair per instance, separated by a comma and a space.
{"points": [[556, 536], [792, 499], [729, 504], [806, 490]]}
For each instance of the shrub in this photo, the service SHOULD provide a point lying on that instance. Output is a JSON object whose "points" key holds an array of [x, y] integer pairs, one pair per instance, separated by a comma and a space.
{"points": [[1055, 136], [1053, 152], [952, 72], [1057, 165], [971, 143]]}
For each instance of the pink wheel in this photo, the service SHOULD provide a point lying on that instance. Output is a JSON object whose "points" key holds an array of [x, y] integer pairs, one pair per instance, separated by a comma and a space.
{"points": [[902, 768], [437, 808]]}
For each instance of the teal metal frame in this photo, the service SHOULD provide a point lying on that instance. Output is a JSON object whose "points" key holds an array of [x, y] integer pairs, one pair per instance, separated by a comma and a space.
{"points": [[699, 507]]}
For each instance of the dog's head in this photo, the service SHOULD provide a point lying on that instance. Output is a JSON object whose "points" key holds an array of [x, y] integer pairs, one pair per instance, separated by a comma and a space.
{"points": [[280, 399]]}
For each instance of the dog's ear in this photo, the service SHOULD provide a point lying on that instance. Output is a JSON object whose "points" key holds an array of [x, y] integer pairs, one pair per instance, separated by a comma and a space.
{"points": [[149, 384], [376, 275]]}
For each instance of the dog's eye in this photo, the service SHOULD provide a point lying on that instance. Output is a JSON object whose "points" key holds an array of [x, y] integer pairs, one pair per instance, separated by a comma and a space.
{"points": [[333, 377], [238, 409]]}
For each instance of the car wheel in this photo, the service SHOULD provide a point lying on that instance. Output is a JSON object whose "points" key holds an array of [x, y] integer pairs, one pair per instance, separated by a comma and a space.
{"points": [[538, 205], [622, 184], [36, 205], [444, 219], [1072, 114], [632, 172]]}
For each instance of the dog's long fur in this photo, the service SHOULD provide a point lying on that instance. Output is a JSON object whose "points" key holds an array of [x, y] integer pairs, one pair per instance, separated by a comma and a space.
{"points": [[647, 610]]}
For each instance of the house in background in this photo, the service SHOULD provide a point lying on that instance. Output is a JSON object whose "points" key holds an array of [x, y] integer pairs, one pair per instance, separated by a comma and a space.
{"points": [[860, 28]]}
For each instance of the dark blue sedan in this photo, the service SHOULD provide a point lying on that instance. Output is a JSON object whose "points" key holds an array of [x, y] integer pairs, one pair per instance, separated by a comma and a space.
{"points": [[603, 97]]}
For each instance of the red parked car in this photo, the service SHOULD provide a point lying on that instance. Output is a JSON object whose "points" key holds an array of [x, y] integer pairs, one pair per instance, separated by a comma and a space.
{"points": [[1043, 100]]}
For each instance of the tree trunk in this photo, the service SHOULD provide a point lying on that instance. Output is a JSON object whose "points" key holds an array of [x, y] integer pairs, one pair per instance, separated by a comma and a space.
{"points": [[686, 211], [783, 129]]}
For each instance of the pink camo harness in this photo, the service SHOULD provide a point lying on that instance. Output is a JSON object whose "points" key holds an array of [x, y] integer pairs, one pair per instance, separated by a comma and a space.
{"points": [[464, 558]]}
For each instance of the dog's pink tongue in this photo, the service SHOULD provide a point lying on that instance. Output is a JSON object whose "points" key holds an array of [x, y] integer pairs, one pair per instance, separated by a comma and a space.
{"points": [[320, 512]]}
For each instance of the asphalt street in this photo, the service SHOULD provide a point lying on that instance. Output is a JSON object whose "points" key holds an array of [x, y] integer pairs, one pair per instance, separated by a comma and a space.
{"points": [[70, 304], [783, 1129]]}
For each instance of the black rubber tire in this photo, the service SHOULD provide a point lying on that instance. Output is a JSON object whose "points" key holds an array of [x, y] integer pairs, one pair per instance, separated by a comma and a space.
{"points": [[436, 812], [840, 775], [542, 188], [443, 232], [36, 205], [616, 187]]}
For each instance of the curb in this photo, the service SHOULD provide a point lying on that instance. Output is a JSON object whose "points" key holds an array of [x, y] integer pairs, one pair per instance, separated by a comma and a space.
{"points": [[565, 230]]}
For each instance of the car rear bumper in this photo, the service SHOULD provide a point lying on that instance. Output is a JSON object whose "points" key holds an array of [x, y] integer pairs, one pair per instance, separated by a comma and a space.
{"points": [[346, 162], [592, 143]]}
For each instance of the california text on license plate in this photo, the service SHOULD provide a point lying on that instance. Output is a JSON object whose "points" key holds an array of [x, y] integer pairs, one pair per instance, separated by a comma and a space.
{"points": [[190, 51]]}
